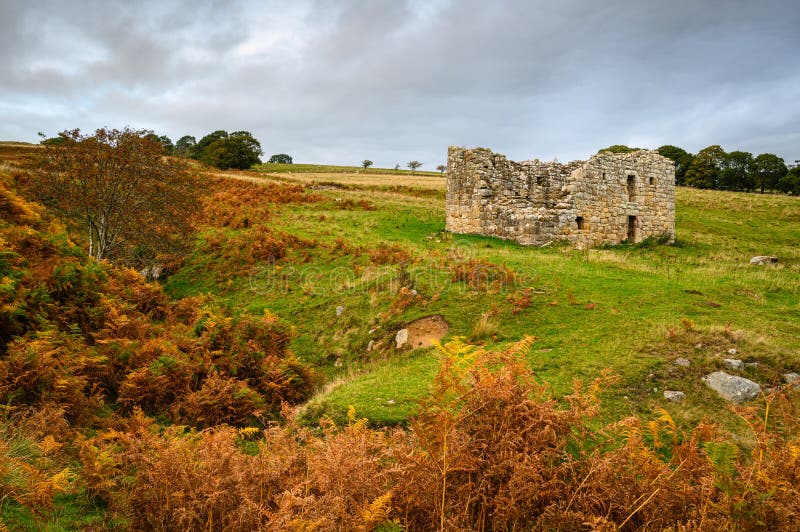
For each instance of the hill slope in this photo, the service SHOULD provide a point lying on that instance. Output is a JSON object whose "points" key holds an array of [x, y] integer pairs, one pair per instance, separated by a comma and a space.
{"points": [[633, 309], [125, 408]]}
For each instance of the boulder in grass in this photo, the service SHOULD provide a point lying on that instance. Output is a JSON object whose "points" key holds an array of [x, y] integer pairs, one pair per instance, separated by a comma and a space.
{"points": [[763, 259], [732, 388], [401, 338], [674, 396], [733, 364]]}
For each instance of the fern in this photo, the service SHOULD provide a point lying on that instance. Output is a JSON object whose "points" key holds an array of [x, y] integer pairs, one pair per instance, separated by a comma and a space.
{"points": [[377, 511]]}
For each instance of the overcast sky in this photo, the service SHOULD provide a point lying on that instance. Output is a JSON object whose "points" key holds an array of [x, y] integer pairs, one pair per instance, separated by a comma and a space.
{"points": [[337, 82]]}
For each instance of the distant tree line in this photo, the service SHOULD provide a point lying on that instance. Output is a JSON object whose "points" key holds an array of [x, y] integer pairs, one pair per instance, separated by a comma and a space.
{"points": [[239, 149], [713, 168], [221, 149]]}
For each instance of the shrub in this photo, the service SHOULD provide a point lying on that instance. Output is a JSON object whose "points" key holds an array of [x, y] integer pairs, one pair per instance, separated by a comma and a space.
{"points": [[385, 253], [485, 329], [490, 449], [219, 400], [483, 276], [520, 300]]}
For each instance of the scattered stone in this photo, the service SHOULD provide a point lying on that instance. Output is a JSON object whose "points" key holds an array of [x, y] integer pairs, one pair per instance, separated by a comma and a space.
{"points": [[791, 378], [683, 362], [413, 292], [732, 351], [674, 396], [339, 310], [751, 364], [390, 401], [401, 338], [372, 331], [698, 346], [763, 259], [733, 364], [338, 363], [370, 345], [732, 388]]}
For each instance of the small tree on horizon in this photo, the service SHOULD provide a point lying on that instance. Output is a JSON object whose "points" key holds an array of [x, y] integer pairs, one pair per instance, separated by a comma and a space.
{"points": [[281, 158], [441, 168], [366, 163], [414, 165], [185, 146], [238, 150]]}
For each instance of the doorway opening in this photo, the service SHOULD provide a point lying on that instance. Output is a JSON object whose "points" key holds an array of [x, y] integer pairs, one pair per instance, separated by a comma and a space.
{"points": [[631, 229]]}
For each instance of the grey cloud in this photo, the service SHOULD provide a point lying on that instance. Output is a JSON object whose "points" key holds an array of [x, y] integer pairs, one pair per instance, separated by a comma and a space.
{"points": [[390, 80]]}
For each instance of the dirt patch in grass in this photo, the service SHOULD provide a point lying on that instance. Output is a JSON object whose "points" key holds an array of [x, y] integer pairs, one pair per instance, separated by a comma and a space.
{"points": [[425, 332]]}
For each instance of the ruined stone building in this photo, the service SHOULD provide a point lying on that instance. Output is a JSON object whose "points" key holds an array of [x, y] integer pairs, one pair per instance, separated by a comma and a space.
{"points": [[610, 198]]}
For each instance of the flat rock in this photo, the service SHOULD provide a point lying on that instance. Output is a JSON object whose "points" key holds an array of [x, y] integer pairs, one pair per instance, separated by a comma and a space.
{"points": [[401, 338], [733, 364], [683, 362], [339, 310], [732, 388], [674, 396], [763, 259], [791, 378], [427, 331]]}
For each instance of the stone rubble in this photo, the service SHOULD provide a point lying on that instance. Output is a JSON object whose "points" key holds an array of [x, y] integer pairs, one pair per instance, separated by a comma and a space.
{"points": [[791, 378], [674, 396], [733, 364]]}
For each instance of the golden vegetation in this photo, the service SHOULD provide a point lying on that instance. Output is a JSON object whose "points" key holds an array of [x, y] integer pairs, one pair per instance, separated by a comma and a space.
{"points": [[176, 414]]}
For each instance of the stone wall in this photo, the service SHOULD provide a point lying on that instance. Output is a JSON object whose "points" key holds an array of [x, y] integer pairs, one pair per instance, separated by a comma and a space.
{"points": [[608, 199]]}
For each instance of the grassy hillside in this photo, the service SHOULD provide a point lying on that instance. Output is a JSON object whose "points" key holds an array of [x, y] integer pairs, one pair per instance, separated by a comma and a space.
{"points": [[334, 169], [125, 408], [633, 309]]}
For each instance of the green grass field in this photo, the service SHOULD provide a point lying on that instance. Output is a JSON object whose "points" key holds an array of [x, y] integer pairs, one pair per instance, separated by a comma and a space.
{"points": [[333, 169], [632, 309]]}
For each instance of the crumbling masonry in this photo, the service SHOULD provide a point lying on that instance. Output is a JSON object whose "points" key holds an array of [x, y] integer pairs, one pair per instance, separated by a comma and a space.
{"points": [[610, 198]]}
